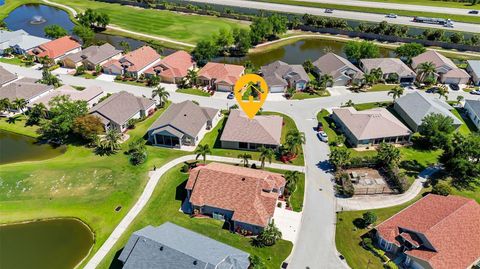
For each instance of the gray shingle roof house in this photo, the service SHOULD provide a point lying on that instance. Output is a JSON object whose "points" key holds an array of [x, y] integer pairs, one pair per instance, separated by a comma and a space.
{"points": [[413, 107], [90, 94], [389, 66], [24, 88], [241, 132], [370, 127], [20, 41], [174, 247], [280, 75], [6, 76], [447, 71], [182, 124], [473, 69], [473, 111], [342, 71], [119, 108], [92, 56]]}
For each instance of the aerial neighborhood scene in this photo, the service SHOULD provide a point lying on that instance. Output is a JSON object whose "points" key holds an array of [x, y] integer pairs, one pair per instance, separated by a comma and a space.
{"points": [[240, 134]]}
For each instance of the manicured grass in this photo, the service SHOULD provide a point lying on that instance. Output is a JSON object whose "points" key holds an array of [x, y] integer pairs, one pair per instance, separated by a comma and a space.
{"points": [[366, 106], [194, 92], [89, 76], [468, 126], [213, 140], [434, 3], [348, 236], [296, 199], [18, 127], [14, 60], [459, 18], [181, 27], [78, 184], [306, 95], [382, 87], [164, 206], [131, 82], [10, 5]]}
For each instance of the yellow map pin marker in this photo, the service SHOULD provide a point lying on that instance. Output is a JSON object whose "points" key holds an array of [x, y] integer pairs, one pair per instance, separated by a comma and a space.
{"points": [[251, 92]]}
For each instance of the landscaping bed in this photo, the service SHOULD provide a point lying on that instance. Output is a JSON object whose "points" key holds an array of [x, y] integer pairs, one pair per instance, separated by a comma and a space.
{"points": [[193, 91]]}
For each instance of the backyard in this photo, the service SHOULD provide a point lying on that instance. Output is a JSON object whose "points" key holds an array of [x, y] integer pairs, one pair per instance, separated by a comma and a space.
{"points": [[77, 184], [164, 206], [212, 138]]}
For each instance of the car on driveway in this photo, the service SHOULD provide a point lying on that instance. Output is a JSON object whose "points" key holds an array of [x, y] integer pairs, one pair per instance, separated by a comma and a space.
{"points": [[391, 15], [473, 12], [432, 90], [319, 126], [475, 92], [328, 10], [230, 95], [454, 87], [322, 136]]}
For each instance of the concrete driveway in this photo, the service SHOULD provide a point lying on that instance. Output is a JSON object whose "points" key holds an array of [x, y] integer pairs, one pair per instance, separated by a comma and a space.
{"points": [[106, 77], [288, 222], [62, 71]]}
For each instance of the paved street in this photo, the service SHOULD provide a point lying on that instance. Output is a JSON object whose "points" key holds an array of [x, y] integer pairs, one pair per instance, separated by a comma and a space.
{"points": [[315, 246], [468, 27]]}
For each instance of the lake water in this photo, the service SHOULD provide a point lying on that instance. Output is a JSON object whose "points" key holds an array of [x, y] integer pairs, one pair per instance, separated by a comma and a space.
{"points": [[17, 148], [48, 244], [2, 2]]}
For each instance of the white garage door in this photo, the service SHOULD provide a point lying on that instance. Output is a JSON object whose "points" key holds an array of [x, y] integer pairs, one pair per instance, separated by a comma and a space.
{"points": [[452, 81], [276, 89], [224, 88]]}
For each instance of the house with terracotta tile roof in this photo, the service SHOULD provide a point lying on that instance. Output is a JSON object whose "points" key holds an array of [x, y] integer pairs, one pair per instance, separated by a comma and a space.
{"points": [[370, 127], [245, 198], [57, 49], [241, 132], [140, 60], [221, 77], [117, 110], [174, 67], [446, 70], [436, 232]]}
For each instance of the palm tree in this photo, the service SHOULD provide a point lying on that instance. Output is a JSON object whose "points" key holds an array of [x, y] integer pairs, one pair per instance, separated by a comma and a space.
{"points": [[13, 119], [111, 140], [19, 104], [460, 99], [162, 95], [325, 80], [192, 77], [203, 150], [396, 92], [37, 112], [291, 177], [5, 104], [7, 52], [377, 74], [295, 140], [266, 154], [369, 79], [443, 91], [245, 157], [349, 103], [426, 70], [270, 235]]}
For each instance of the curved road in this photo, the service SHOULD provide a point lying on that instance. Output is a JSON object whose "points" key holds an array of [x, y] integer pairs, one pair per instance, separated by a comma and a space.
{"points": [[467, 27], [315, 245]]}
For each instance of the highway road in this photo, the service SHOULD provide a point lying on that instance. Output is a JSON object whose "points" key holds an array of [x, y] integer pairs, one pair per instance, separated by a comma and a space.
{"points": [[351, 15]]}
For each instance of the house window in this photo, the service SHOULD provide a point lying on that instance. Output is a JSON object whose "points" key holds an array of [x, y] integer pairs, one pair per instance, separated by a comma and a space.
{"points": [[218, 216], [242, 145]]}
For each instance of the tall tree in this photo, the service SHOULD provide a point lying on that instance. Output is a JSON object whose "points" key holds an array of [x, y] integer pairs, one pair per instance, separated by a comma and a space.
{"points": [[55, 31], [443, 91], [87, 126], [388, 155], [245, 157], [356, 50], [5, 104], [125, 46], [426, 71], [203, 150], [85, 33], [162, 95], [111, 140], [396, 92], [294, 141], [409, 50], [49, 78], [205, 51], [20, 104], [339, 157], [269, 235], [266, 154], [437, 129], [37, 112], [325, 81]]}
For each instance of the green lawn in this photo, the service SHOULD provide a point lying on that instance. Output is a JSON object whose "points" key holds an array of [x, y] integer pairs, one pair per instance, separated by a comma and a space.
{"points": [[306, 95], [296, 199], [14, 60], [366, 106], [212, 138], [10, 5], [434, 3], [381, 87], [131, 82], [77, 184], [459, 18], [194, 92], [468, 126], [348, 237], [18, 127], [164, 206], [173, 25]]}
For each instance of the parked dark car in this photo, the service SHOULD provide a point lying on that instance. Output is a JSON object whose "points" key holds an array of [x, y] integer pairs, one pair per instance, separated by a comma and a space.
{"points": [[454, 87], [319, 126], [473, 12], [328, 10], [230, 96], [432, 90]]}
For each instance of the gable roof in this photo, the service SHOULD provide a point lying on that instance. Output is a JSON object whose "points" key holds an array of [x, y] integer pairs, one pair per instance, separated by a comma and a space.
{"points": [[417, 105], [56, 48], [474, 105], [174, 247], [20, 39], [388, 66], [451, 224], [121, 106], [245, 191], [278, 72], [175, 65], [24, 88], [474, 66], [94, 54], [140, 58], [265, 129], [331, 64], [371, 123], [86, 94], [6, 76], [186, 117], [432, 56], [227, 73]]}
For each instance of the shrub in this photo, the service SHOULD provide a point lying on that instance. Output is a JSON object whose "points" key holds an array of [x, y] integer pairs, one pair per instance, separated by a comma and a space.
{"points": [[369, 218], [442, 188], [185, 168], [390, 265], [367, 243], [347, 188]]}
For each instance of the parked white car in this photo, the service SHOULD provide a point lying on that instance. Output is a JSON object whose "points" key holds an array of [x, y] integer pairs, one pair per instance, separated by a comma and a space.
{"points": [[391, 15], [322, 136]]}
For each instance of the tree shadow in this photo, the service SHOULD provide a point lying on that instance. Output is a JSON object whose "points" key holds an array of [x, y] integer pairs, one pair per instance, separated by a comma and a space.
{"points": [[359, 223], [116, 263], [180, 192]]}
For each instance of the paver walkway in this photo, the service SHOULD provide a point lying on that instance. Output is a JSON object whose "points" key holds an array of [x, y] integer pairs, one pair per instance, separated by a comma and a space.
{"points": [[154, 177], [364, 202]]}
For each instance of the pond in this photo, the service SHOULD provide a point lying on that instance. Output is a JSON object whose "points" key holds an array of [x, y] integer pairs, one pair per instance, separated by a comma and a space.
{"points": [[297, 52], [46, 244], [17, 148]]}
